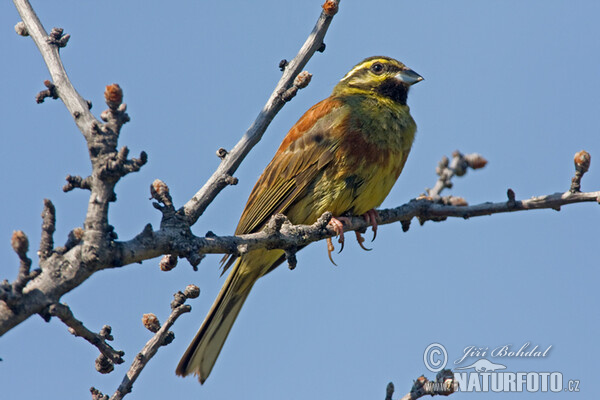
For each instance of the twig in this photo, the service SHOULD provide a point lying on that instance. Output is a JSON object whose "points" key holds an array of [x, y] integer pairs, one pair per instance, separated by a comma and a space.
{"points": [[582, 162], [49, 49], [20, 244], [458, 166], [194, 208], [444, 385], [76, 327], [48, 228], [161, 337]]}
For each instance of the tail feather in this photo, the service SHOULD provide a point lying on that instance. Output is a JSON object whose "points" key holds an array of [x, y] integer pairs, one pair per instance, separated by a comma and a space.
{"points": [[202, 353]]}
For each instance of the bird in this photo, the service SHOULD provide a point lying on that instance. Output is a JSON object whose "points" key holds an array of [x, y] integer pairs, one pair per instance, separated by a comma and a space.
{"points": [[343, 156]]}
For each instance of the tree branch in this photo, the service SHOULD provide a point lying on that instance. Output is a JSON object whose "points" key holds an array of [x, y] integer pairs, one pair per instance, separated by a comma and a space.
{"points": [[162, 337], [294, 236], [49, 49], [231, 160], [444, 385], [93, 248], [76, 327]]}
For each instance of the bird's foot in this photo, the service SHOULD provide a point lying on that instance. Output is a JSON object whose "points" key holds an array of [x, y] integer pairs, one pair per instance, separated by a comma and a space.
{"points": [[371, 218], [360, 241], [330, 249], [338, 226]]}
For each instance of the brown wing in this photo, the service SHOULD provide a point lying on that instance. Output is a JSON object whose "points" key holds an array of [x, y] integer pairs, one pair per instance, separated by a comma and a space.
{"points": [[305, 151], [307, 148]]}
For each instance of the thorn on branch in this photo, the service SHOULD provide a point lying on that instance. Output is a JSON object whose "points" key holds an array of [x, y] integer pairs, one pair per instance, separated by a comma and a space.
{"points": [[21, 29], [282, 64], [57, 38], [49, 92], [300, 82], [48, 229], [582, 162]]}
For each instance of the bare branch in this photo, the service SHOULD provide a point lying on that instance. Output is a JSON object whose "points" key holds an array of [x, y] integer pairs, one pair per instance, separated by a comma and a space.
{"points": [[77, 181], [49, 92], [76, 327], [162, 337], [444, 385], [194, 208], [582, 162], [458, 166], [49, 48], [48, 228], [289, 237], [20, 244]]}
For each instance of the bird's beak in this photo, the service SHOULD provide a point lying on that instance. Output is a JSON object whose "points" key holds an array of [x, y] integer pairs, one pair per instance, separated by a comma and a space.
{"points": [[409, 77]]}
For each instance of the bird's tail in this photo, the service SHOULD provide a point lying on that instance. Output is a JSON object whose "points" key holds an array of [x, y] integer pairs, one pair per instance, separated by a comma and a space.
{"points": [[202, 353]]}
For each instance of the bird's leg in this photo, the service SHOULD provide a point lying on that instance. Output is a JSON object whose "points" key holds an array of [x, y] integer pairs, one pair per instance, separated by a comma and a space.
{"points": [[371, 218]]}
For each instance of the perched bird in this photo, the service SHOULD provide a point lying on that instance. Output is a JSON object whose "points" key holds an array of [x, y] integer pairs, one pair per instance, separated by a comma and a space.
{"points": [[343, 156]]}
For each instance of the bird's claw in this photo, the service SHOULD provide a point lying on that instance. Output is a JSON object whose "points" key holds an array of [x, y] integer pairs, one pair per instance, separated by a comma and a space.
{"points": [[371, 218], [338, 226], [330, 249], [360, 241]]}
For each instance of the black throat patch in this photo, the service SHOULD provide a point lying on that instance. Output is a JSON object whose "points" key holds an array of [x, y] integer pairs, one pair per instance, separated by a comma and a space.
{"points": [[393, 89]]}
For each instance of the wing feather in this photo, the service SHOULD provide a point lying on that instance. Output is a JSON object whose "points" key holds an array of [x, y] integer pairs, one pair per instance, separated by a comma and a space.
{"points": [[307, 149]]}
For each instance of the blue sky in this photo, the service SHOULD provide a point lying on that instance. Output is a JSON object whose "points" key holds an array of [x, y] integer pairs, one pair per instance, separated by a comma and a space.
{"points": [[515, 81]]}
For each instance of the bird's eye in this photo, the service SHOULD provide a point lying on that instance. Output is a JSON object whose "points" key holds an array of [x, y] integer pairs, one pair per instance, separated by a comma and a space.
{"points": [[377, 68]]}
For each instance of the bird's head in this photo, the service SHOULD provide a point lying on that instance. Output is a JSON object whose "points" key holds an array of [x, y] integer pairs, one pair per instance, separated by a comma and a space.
{"points": [[378, 76]]}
